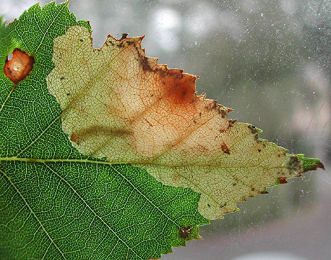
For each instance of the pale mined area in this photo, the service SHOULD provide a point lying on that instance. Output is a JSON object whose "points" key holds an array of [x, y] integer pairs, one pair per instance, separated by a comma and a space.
{"points": [[123, 106]]}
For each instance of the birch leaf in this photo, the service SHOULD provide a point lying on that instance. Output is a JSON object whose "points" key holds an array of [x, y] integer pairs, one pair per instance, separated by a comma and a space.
{"points": [[105, 154]]}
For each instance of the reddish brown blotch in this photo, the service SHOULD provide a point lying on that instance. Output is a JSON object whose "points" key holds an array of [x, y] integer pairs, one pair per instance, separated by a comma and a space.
{"points": [[74, 138], [19, 66], [178, 87], [282, 180]]}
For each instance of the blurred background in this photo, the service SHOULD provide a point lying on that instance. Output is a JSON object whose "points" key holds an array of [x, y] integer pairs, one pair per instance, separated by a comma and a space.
{"points": [[271, 62]]}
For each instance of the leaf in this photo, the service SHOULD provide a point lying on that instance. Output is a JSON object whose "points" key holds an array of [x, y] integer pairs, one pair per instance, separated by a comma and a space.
{"points": [[83, 138], [121, 105]]}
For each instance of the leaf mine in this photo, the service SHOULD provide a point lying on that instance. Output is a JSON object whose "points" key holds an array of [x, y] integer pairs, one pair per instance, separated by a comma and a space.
{"points": [[119, 104]]}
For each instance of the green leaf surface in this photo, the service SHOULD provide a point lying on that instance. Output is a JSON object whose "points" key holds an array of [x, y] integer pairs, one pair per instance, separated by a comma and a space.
{"points": [[55, 202]]}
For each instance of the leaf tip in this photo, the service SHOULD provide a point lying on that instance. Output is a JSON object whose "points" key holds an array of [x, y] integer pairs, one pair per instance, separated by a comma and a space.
{"points": [[310, 164]]}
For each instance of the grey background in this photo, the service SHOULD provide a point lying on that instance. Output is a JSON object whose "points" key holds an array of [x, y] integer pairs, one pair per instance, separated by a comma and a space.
{"points": [[271, 62]]}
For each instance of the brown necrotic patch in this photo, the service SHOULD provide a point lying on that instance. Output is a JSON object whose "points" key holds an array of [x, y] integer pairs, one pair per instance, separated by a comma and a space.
{"points": [[282, 180], [18, 66], [184, 232], [179, 88]]}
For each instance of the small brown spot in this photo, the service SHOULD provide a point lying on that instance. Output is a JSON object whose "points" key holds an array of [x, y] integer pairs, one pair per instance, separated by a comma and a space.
{"points": [[62, 78], [176, 176], [150, 124], [259, 150], [185, 232], [252, 189], [225, 149], [124, 35], [213, 105], [223, 205], [232, 122], [223, 113], [282, 180], [278, 155], [81, 40], [32, 160], [74, 138], [20, 66]]}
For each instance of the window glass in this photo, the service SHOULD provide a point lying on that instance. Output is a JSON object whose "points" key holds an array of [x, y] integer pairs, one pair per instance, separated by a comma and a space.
{"points": [[271, 62]]}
